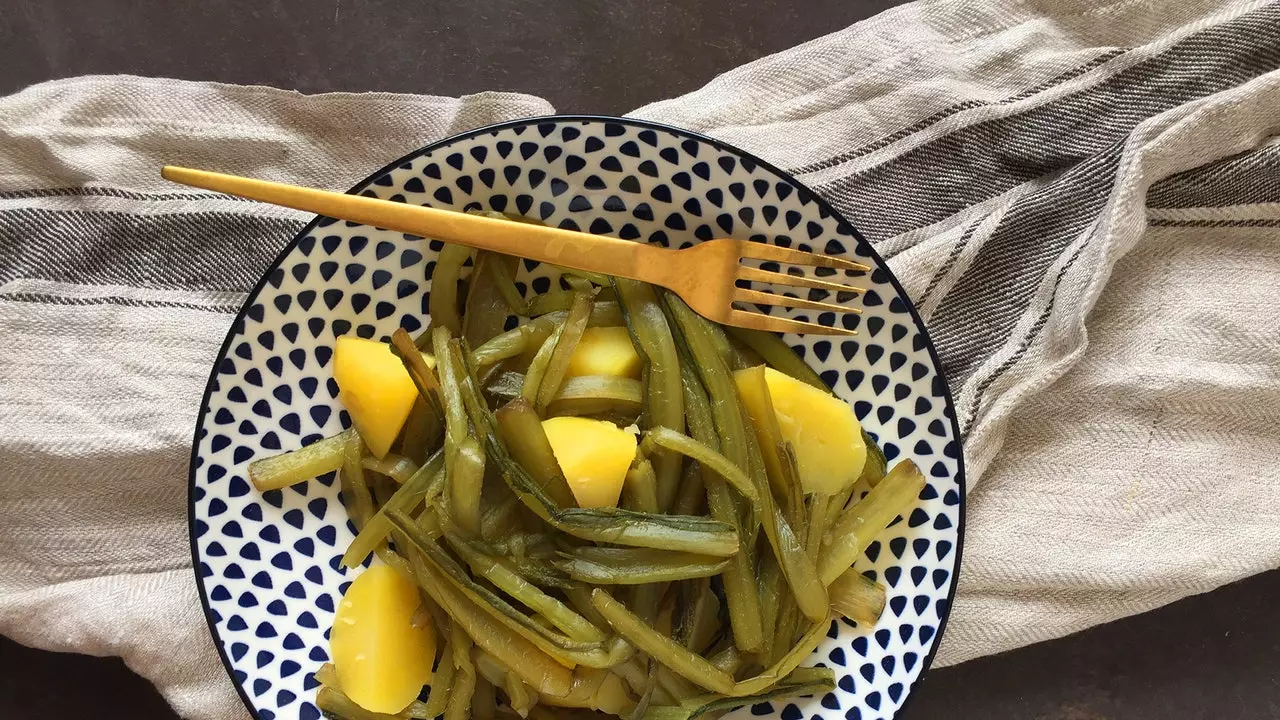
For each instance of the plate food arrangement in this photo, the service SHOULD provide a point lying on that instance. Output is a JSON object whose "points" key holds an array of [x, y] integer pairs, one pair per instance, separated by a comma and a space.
{"points": [[433, 481]]}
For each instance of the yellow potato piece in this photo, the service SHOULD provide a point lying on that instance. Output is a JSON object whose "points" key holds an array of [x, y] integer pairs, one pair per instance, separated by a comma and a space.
{"points": [[822, 430], [375, 388], [381, 659], [594, 456], [605, 351]]}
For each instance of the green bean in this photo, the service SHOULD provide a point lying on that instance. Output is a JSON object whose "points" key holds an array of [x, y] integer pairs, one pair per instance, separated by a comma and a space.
{"points": [[455, 416], [465, 484], [860, 524], [700, 620], [654, 343], [728, 660], [442, 681], [464, 677], [521, 698], [798, 568], [535, 667], [521, 429], [857, 597], [548, 385], [295, 466], [636, 566], [641, 487], [784, 631], [779, 355], [661, 648], [769, 584], [532, 334], [355, 491], [739, 588], [484, 703], [396, 467], [699, 337], [335, 704], [421, 431], [327, 674], [502, 386], [689, 533], [496, 673], [416, 365], [620, 527], [552, 301], [539, 365], [517, 340], [784, 666], [498, 519], [505, 283], [692, 491], [596, 395], [486, 296], [705, 457], [802, 681], [562, 649], [873, 471], [423, 484], [499, 572], [820, 514], [443, 303], [594, 690], [570, 275]]}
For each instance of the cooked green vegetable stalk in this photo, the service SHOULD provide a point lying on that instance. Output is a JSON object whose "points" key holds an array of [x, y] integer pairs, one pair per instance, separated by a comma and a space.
{"points": [[295, 466], [779, 355], [444, 287], [473, 505], [636, 566], [860, 524], [664, 404], [857, 597], [739, 583]]}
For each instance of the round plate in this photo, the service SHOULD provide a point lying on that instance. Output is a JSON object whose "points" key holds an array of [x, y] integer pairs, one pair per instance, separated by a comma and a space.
{"points": [[267, 564]]}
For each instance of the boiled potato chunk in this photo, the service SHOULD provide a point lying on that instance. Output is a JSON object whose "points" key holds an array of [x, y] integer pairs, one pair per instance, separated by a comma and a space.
{"points": [[594, 456], [375, 388], [605, 351], [382, 660], [822, 430]]}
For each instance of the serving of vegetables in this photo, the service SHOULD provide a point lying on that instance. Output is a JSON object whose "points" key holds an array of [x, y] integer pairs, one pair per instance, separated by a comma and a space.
{"points": [[589, 501]]}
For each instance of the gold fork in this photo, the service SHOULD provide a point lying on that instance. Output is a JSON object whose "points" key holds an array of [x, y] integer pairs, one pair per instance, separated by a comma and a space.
{"points": [[705, 275]]}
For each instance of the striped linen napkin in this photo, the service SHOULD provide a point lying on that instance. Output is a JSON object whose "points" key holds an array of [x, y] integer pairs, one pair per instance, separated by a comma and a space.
{"points": [[1081, 197]]}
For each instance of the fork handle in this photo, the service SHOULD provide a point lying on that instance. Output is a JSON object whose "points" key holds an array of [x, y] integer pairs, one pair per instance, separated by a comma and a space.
{"points": [[577, 250]]}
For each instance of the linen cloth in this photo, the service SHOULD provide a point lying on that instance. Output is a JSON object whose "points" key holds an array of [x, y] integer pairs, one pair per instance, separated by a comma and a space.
{"points": [[1082, 198]]}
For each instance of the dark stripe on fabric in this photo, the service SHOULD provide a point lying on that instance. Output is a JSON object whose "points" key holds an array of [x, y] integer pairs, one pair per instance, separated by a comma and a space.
{"points": [[193, 251], [1248, 178], [1021, 350], [955, 109], [103, 191], [1216, 223], [49, 299], [938, 179], [980, 312], [950, 262]]}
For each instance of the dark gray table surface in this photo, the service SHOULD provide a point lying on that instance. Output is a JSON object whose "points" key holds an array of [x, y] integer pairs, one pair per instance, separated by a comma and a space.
{"points": [[1214, 656]]}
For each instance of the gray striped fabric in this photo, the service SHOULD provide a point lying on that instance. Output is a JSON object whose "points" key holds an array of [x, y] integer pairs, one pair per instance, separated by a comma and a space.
{"points": [[1020, 164]]}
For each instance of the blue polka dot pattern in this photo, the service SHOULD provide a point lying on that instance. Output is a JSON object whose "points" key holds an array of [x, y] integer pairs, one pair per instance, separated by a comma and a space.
{"points": [[267, 563]]}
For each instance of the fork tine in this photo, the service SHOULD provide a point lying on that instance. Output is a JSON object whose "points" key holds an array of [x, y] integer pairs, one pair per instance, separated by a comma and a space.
{"points": [[764, 298], [758, 275], [762, 251], [760, 321]]}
